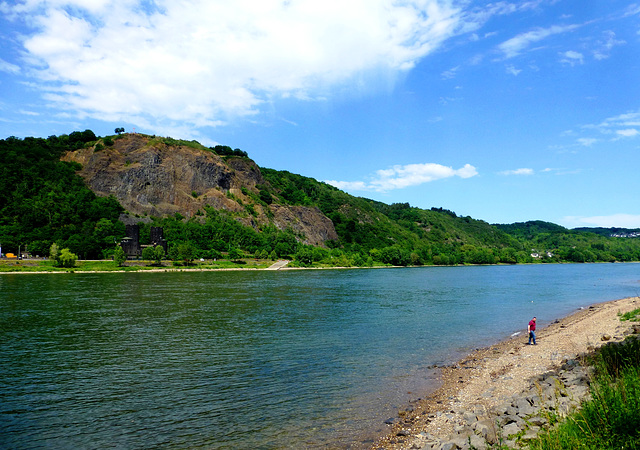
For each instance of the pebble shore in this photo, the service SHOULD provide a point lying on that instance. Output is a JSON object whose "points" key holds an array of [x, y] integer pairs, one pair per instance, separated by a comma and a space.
{"points": [[505, 394]]}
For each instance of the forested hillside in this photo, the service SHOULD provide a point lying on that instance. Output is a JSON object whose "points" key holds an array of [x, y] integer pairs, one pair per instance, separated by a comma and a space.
{"points": [[44, 201]]}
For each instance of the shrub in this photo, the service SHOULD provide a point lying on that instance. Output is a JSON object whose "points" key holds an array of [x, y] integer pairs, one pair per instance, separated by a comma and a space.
{"points": [[611, 419], [148, 253]]}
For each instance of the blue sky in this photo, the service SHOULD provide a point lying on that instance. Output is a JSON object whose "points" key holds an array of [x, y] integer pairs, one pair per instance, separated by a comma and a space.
{"points": [[504, 111]]}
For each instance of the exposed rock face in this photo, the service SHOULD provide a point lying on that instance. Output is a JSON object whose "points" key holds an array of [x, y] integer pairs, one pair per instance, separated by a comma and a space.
{"points": [[307, 221], [149, 177]]}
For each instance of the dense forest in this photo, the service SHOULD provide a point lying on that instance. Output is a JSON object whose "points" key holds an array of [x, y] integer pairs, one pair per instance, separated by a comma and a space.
{"points": [[43, 201]]}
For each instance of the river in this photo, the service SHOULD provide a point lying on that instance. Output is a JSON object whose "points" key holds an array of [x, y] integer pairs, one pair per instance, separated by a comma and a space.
{"points": [[256, 359]]}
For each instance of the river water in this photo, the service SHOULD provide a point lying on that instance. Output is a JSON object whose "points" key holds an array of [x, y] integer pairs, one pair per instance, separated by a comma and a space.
{"points": [[256, 359]]}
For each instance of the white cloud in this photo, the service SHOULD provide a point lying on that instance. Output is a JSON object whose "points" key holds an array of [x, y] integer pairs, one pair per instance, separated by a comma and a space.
{"points": [[349, 185], [203, 62], [571, 58], [615, 220], [630, 132], [587, 142], [400, 177], [523, 171], [516, 45], [512, 70]]}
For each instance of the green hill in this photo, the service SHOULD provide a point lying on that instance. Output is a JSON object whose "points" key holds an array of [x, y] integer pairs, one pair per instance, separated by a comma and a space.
{"points": [[252, 211]]}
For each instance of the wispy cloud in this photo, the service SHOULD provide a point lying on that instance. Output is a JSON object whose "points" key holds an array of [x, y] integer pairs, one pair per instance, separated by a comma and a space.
{"points": [[8, 67], [449, 74], [614, 220], [605, 45], [621, 126], [523, 171], [400, 177], [586, 142], [512, 70], [520, 43], [571, 58], [556, 171]]}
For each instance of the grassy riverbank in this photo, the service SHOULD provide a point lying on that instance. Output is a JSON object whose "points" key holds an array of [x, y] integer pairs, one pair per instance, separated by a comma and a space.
{"points": [[45, 265]]}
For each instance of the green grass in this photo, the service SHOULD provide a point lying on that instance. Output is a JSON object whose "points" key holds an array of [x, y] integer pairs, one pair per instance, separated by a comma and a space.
{"points": [[611, 419]]}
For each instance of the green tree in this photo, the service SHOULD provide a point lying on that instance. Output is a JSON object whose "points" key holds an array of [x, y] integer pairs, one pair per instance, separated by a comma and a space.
{"points": [[66, 258], [234, 253], [575, 255], [265, 196], [148, 253], [54, 252], [304, 256], [119, 257], [158, 254], [184, 251], [508, 256]]}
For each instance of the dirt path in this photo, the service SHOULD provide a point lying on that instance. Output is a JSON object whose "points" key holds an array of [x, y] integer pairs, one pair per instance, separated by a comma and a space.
{"points": [[489, 376]]}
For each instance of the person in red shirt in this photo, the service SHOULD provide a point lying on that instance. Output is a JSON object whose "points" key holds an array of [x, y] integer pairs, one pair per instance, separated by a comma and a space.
{"points": [[532, 331]]}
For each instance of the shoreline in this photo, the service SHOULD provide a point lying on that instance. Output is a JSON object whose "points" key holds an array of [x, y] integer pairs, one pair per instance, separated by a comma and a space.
{"points": [[283, 268], [492, 375]]}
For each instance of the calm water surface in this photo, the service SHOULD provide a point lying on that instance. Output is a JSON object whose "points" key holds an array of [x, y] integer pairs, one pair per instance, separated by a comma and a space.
{"points": [[264, 360]]}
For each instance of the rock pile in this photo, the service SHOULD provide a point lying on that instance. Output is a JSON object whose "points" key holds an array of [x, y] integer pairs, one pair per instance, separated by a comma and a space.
{"points": [[518, 420]]}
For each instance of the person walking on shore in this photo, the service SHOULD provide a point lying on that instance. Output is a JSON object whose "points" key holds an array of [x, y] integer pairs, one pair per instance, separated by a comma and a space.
{"points": [[532, 331]]}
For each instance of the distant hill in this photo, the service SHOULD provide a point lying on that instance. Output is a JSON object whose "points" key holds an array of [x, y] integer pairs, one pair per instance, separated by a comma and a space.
{"points": [[79, 190], [613, 232]]}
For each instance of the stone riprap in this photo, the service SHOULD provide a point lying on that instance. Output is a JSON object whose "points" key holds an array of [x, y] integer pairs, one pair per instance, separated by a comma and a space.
{"points": [[517, 420]]}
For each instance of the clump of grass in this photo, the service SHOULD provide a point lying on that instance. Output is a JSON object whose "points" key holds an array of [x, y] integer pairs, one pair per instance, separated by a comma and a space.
{"points": [[631, 316], [612, 359]]}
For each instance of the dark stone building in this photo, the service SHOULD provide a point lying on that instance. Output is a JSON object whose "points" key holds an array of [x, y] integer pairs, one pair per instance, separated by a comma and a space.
{"points": [[131, 243], [157, 238]]}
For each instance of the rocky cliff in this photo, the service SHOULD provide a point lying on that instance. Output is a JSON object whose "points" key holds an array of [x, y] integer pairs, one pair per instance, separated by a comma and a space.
{"points": [[151, 177]]}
